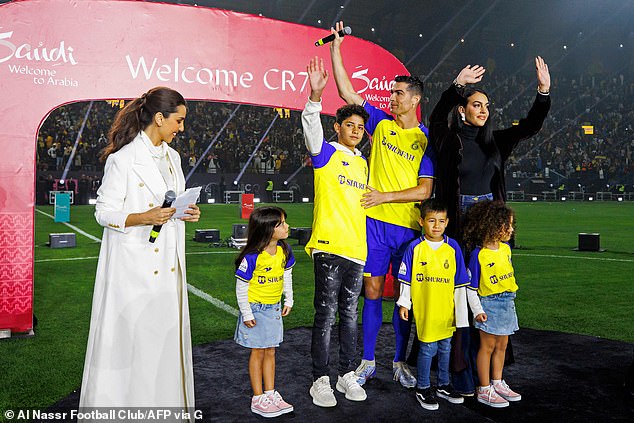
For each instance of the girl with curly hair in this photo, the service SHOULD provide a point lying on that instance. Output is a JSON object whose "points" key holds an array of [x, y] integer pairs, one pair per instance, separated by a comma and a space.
{"points": [[491, 295]]}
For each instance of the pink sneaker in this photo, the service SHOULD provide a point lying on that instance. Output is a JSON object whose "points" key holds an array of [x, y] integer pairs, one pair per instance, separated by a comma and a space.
{"points": [[505, 392], [263, 406], [488, 396], [279, 402]]}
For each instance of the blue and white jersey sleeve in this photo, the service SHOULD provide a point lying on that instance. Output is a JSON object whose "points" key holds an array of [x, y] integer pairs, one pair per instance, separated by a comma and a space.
{"points": [[322, 159], [474, 269], [376, 116], [427, 167], [246, 267], [291, 260], [405, 271], [405, 276]]}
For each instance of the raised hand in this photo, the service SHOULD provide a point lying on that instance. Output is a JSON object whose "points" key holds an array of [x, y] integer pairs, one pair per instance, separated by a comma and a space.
{"points": [[543, 75], [317, 76], [336, 43], [470, 75]]}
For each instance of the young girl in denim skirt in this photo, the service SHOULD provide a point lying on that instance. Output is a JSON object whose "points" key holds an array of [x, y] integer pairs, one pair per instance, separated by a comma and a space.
{"points": [[263, 272], [489, 225]]}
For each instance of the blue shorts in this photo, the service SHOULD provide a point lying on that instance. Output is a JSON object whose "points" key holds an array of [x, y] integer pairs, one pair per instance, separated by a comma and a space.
{"points": [[501, 315], [386, 244], [268, 331]]}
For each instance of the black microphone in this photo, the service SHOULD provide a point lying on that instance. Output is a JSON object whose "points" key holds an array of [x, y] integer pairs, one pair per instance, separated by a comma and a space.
{"points": [[170, 196], [345, 31]]}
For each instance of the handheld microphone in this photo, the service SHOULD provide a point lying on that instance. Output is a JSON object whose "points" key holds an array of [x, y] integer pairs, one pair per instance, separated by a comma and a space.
{"points": [[170, 196], [345, 31]]}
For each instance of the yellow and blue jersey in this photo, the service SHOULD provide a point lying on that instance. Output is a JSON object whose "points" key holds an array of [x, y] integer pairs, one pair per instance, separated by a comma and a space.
{"points": [[265, 275], [432, 276], [492, 270], [339, 222], [398, 158]]}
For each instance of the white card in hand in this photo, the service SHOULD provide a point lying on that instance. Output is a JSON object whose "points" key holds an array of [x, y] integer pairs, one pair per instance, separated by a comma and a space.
{"points": [[183, 201]]}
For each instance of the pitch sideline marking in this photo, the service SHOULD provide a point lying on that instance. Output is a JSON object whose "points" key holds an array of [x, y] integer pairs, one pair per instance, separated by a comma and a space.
{"points": [[74, 228], [573, 257], [215, 301], [233, 252]]}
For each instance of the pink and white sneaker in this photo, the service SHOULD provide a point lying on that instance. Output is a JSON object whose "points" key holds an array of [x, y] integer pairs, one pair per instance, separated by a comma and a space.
{"points": [[487, 395], [262, 405], [279, 402], [505, 392]]}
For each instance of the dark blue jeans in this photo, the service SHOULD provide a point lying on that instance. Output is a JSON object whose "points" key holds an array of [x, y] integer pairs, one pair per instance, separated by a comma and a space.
{"points": [[338, 284]]}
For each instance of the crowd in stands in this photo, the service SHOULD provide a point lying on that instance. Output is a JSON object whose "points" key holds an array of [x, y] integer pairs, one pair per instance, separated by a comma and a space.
{"points": [[561, 149]]}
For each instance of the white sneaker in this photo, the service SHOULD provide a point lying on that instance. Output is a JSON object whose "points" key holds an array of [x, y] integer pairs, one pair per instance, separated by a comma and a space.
{"points": [[322, 393], [348, 385]]}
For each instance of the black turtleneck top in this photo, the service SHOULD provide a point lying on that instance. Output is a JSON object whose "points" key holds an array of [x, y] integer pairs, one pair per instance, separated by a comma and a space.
{"points": [[476, 170]]}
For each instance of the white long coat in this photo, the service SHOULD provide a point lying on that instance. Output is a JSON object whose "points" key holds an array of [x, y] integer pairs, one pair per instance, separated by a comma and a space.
{"points": [[139, 345]]}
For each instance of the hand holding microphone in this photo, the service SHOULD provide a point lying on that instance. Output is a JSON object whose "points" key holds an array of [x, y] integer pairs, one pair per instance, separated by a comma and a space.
{"points": [[170, 196], [342, 32]]}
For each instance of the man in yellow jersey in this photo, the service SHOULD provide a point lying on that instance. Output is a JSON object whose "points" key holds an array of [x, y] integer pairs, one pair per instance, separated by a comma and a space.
{"points": [[338, 240], [401, 174]]}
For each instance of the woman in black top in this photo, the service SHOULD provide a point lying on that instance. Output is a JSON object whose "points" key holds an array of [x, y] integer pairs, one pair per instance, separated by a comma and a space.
{"points": [[470, 154], [470, 168]]}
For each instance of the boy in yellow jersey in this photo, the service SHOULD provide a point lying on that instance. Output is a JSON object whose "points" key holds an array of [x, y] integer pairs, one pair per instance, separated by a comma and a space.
{"points": [[338, 241], [432, 268], [401, 175]]}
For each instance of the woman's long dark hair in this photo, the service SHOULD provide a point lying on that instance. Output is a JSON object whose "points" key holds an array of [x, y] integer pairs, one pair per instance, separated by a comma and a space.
{"points": [[485, 133], [138, 114], [262, 223]]}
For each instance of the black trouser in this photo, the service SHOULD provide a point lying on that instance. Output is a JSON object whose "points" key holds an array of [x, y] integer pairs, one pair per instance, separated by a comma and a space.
{"points": [[338, 283]]}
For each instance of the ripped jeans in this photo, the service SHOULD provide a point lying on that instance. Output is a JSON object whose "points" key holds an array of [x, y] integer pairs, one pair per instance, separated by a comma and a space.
{"points": [[338, 283]]}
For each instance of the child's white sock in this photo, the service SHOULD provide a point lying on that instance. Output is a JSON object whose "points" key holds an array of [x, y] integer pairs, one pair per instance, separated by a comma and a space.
{"points": [[496, 382], [269, 392]]}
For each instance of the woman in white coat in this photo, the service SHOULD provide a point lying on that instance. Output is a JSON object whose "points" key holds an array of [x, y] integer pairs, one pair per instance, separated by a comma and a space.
{"points": [[139, 345]]}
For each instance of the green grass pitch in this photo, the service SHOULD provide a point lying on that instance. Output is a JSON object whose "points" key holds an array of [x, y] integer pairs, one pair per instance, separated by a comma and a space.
{"points": [[560, 289]]}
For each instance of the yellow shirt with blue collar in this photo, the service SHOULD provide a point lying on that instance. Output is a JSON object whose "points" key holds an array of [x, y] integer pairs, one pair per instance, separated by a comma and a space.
{"points": [[492, 270], [398, 158], [429, 277], [265, 275], [341, 175]]}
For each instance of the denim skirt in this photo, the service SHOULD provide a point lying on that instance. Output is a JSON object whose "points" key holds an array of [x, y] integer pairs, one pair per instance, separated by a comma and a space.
{"points": [[268, 331], [501, 315]]}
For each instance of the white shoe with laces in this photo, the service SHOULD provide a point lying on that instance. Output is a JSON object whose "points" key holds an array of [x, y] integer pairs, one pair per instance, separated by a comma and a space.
{"points": [[347, 384], [279, 402], [505, 392], [322, 393], [262, 405]]}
